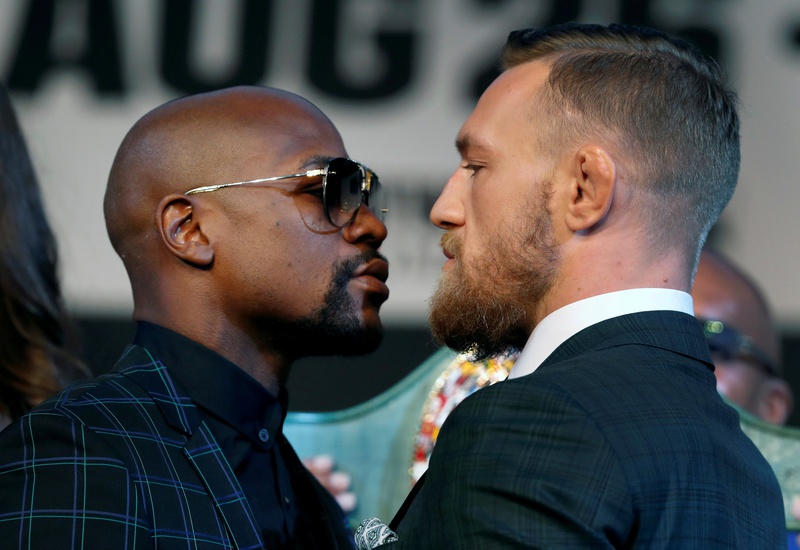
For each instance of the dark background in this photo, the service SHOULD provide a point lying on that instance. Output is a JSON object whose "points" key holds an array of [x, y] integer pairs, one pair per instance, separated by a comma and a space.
{"points": [[333, 383]]}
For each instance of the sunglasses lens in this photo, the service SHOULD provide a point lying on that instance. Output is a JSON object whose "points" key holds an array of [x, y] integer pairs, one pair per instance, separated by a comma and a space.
{"points": [[376, 198], [723, 346], [721, 339], [343, 190], [726, 343]]}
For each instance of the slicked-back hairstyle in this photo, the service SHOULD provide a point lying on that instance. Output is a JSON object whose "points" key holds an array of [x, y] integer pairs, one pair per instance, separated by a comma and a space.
{"points": [[34, 360], [660, 100]]}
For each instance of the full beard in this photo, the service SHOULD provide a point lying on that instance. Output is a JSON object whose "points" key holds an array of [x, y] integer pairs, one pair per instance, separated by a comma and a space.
{"points": [[484, 308], [336, 328]]}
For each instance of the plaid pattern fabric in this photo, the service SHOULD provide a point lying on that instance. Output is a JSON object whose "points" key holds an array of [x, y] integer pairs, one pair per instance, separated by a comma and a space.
{"points": [[619, 440], [124, 461]]}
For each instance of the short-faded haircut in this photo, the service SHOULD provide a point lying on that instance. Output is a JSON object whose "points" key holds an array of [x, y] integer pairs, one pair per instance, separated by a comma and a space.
{"points": [[664, 103]]}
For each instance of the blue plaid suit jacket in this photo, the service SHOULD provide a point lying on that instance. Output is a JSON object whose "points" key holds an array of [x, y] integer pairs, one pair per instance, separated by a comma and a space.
{"points": [[123, 461], [618, 440]]}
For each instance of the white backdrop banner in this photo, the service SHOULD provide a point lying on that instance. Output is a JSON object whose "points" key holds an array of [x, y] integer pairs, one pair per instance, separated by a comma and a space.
{"points": [[398, 77]]}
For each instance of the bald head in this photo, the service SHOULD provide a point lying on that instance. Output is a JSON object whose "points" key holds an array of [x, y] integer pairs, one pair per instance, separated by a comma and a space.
{"points": [[166, 240], [254, 271], [199, 140]]}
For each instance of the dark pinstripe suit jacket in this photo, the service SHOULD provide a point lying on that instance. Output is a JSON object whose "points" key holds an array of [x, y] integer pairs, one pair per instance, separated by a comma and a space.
{"points": [[619, 440], [126, 461]]}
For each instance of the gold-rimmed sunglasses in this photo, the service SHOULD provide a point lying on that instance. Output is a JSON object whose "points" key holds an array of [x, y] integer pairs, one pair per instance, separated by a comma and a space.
{"points": [[346, 185]]}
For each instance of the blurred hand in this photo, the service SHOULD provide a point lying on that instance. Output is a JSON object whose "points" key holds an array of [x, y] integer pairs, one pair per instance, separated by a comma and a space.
{"points": [[337, 483]]}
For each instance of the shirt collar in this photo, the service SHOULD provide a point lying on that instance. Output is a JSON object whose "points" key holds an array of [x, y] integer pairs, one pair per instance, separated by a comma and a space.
{"points": [[565, 322], [216, 385]]}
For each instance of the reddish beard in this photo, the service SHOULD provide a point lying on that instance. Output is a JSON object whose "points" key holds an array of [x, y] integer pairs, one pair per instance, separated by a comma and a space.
{"points": [[483, 304]]}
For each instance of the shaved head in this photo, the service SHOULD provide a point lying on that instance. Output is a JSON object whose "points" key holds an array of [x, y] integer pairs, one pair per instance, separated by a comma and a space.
{"points": [[255, 272], [195, 141]]}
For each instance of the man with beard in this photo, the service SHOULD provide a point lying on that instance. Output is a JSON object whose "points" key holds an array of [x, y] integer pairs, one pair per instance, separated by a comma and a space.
{"points": [[250, 240], [592, 169]]}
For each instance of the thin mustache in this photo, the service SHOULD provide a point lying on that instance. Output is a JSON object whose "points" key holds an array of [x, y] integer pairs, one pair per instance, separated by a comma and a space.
{"points": [[351, 265], [450, 244]]}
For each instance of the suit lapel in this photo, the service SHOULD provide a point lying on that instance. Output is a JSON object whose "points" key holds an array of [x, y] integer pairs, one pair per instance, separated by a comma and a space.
{"points": [[202, 449], [205, 455], [320, 511], [401, 513]]}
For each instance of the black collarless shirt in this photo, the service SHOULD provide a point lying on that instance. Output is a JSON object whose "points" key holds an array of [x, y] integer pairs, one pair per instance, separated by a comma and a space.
{"points": [[247, 421]]}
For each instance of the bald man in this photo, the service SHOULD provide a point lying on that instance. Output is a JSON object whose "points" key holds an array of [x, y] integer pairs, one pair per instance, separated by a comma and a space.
{"points": [[250, 240], [743, 340]]}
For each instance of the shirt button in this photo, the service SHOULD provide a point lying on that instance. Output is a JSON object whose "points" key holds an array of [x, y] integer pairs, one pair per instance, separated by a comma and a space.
{"points": [[263, 435]]}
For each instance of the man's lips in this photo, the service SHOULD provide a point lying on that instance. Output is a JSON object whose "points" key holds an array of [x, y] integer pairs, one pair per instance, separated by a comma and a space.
{"points": [[374, 268], [449, 246], [374, 274]]}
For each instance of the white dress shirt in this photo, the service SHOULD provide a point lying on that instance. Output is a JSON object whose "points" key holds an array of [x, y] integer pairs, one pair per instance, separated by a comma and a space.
{"points": [[565, 322]]}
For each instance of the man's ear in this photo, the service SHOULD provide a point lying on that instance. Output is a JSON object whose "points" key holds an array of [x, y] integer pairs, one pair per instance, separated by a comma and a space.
{"points": [[180, 231], [775, 401], [594, 177]]}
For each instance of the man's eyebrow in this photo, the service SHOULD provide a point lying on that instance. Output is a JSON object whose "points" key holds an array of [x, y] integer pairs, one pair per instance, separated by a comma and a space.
{"points": [[317, 161], [468, 142]]}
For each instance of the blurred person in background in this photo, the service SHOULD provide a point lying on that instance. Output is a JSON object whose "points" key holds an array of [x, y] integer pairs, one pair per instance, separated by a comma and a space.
{"points": [[742, 338], [35, 360]]}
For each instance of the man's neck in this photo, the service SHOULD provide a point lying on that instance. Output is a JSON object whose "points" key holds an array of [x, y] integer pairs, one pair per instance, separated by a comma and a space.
{"points": [[586, 271], [256, 358]]}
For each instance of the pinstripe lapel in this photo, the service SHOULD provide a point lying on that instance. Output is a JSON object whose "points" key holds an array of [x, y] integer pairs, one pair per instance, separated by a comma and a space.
{"points": [[202, 449], [147, 371], [218, 477]]}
